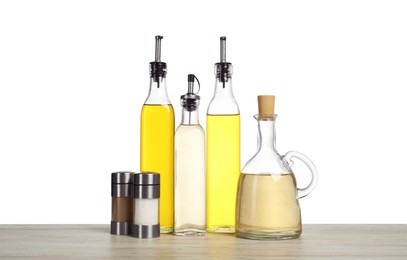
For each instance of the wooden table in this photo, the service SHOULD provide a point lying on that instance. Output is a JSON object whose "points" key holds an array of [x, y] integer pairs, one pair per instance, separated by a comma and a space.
{"points": [[95, 242]]}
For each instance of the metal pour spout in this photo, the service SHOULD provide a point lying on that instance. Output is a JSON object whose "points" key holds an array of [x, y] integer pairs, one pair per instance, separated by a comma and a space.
{"points": [[158, 39], [223, 49]]}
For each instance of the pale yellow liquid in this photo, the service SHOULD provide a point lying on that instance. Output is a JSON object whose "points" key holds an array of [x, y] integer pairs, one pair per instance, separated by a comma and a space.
{"points": [[268, 208], [223, 169], [189, 176], [157, 155]]}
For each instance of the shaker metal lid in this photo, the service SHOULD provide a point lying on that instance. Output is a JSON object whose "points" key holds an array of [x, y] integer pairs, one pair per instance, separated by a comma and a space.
{"points": [[124, 177], [147, 178]]}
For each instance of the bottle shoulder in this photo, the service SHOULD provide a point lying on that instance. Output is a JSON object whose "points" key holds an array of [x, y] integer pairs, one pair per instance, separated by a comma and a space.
{"points": [[157, 101], [157, 108], [157, 93], [196, 130]]}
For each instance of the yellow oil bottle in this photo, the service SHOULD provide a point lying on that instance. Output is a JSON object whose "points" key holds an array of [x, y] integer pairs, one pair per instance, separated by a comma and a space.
{"points": [[157, 138], [223, 150]]}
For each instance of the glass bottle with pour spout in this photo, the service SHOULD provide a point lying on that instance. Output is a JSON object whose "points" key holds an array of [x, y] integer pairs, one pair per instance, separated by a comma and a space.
{"points": [[223, 150], [157, 137], [189, 168], [267, 205]]}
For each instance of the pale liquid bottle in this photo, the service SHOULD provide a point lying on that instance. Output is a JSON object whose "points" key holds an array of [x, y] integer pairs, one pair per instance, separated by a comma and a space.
{"points": [[189, 168], [223, 150], [157, 138], [267, 205]]}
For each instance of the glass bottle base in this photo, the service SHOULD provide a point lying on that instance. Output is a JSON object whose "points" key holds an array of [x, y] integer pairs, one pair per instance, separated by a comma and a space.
{"points": [[269, 235], [189, 232], [220, 229], [166, 230]]}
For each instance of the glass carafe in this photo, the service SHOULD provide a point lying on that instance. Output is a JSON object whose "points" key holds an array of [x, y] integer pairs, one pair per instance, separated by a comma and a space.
{"points": [[267, 205]]}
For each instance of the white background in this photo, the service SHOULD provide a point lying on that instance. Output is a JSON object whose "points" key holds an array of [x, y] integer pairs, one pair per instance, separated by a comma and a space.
{"points": [[74, 75]]}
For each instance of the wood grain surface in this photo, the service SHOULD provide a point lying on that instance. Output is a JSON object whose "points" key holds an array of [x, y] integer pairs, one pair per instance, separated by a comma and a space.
{"points": [[95, 242]]}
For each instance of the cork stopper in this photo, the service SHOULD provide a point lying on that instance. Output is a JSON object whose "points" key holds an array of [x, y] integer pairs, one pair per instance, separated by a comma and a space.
{"points": [[266, 105]]}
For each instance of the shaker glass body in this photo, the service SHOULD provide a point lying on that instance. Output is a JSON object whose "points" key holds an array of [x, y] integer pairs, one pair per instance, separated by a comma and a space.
{"points": [[122, 210]]}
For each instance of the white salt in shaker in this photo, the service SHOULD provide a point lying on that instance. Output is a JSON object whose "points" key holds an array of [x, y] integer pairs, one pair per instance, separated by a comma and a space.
{"points": [[146, 205]]}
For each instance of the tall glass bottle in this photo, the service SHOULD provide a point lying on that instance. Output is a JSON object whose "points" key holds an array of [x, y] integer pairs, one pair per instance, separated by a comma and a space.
{"points": [[223, 150], [189, 168], [157, 138]]}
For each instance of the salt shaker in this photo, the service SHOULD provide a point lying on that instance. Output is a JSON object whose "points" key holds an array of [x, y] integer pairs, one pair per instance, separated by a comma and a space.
{"points": [[146, 205]]}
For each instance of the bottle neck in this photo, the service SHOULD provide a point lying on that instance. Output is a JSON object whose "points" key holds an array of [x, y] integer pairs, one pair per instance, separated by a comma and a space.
{"points": [[267, 135], [157, 94], [189, 117], [223, 101], [223, 88]]}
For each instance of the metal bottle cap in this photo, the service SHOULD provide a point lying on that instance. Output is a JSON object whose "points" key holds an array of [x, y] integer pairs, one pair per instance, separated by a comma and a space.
{"points": [[190, 101], [158, 68], [223, 69]]}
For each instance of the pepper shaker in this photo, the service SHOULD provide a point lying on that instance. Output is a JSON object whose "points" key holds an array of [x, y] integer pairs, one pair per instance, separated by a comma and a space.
{"points": [[122, 203]]}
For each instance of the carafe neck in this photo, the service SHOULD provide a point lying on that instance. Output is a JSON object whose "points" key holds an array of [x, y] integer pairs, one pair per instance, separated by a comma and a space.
{"points": [[267, 135]]}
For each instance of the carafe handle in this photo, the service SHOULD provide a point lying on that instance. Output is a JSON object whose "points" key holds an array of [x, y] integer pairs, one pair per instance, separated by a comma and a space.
{"points": [[314, 175]]}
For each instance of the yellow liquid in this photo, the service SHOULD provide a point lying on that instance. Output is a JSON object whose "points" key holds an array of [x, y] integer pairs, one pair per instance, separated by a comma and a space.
{"points": [[223, 169], [268, 207], [157, 155]]}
